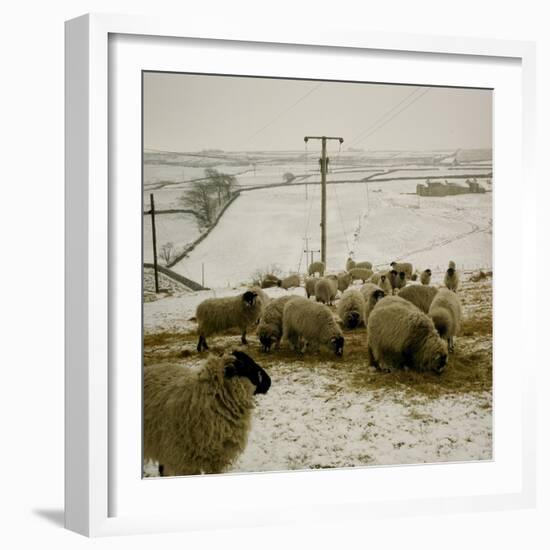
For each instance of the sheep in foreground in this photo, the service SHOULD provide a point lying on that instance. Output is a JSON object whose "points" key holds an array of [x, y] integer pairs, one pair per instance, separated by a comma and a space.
{"points": [[372, 294], [263, 297], [310, 325], [197, 420], [344, 280], [400, 335], [351, 309], [325, 290], [426, 276], [360, 273], [270, 280], [419, 295], [446, 313], [309, 284], [316, 267], [451, 279], [406, 267], [220, 314], [270, 329], [291, 281]]}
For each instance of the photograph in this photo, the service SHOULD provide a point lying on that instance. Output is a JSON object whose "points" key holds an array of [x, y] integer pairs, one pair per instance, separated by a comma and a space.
{"points": [[317, 284]]}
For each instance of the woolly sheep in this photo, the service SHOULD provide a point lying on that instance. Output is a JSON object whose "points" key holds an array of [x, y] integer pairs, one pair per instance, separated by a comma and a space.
{"points": [[270, 280], [382, 280], [419, 295], [270, 329], [400, 335], [309, 325], [220, 314], [291, 281], [372, 294], [361, 273], [263, 298], [310, 283], [451, 279], [350, 264], [351, 309], [426, 276], [344, 280], [325, 290], [400, 280], [316, 267], [446, 313], [452, 264], [403, 266], [197, 420]]}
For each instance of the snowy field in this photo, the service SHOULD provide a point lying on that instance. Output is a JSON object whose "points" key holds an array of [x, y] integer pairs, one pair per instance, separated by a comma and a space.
{"points": [[323, 411]]}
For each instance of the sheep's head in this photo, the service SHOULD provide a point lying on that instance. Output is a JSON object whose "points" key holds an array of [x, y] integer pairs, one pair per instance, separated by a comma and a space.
{"points": [[428, 272], [352, 319], [450, 271], [336, 344], [245, 366], [377, 295], [393, 263], [436, 355], [266, 336], [249, 298], [402, 275]]}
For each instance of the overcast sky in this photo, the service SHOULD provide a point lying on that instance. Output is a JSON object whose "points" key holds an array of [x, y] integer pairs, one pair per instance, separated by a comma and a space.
{"points": [[194, 112]]}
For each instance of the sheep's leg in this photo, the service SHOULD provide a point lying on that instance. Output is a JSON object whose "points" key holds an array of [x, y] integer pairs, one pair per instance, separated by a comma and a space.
{"points": [[202, 343], [451, 343], [243, 338], [161, 470]]}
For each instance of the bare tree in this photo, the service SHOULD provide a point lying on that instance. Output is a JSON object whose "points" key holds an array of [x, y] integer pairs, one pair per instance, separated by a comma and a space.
{"points": [[198, 199], [167, 252], [222, 184]]}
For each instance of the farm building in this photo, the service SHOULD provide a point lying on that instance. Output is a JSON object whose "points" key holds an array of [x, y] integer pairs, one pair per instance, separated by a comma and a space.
{"points": [[443, 189]]}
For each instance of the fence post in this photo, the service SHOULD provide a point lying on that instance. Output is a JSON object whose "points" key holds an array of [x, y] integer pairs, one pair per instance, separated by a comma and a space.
{"points": [[154, 243]]}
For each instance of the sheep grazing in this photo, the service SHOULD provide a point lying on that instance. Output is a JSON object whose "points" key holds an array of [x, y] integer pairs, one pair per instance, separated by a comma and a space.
{"points": [[270, 329], [316, 267], [326, 289], [419, 295], [197, 420], [360, 273], [446, 313], [344, 280], [400, 335], [351, 309], [291, 281], [451, 279], [310, 283], [426, 277], [406, 267], [309, 325], [220, 314], [270, 280], [372, 294]]}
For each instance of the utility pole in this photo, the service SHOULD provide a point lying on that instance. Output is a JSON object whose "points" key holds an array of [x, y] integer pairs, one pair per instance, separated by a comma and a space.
{"points": [[324, 165], [154, 242]]}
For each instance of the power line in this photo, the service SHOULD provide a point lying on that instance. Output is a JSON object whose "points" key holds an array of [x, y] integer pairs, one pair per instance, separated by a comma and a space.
{"points": [[309, 92]]}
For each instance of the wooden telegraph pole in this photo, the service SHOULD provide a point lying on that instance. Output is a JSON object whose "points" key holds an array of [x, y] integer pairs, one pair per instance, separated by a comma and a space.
{"points": [[324, 165], [154, 242]]}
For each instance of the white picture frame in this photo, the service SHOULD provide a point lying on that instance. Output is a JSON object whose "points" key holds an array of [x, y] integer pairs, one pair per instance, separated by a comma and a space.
{"points": [[93, 264]]}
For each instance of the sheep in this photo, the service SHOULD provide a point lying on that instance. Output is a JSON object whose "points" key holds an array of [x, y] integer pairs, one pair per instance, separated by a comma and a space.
{"points": [[400, 281], [270, 329], [382, 280], [270, 280], [451, 279], [371, 293], [361, 273], [197, 420], [426, 277], [350, 264], [291, 281], [452, 265], [351, 309], [310, 283], [446, 313], [326, 289], [263, 298], [316, 267], [419, 295], [400, 335], [344, 280], [404, 266], [309, 325], [220, 314]]}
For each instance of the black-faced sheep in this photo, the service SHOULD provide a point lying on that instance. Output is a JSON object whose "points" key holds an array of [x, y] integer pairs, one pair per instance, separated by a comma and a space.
{"points": [[197, 420], [316, 267], [446, 313], [426, 276], [270, 280], [308, 325], [400, 335], [419, 295], [326, 289], [451, 279], [263, 298], [372, 294], [351, 309], [270, 328], [291, 281], [382, 279], [406, 267], [220, 314], [360, 273]]}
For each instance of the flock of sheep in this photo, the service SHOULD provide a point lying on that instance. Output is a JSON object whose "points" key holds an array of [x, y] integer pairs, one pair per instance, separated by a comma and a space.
{"points": [[197, 420]]}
